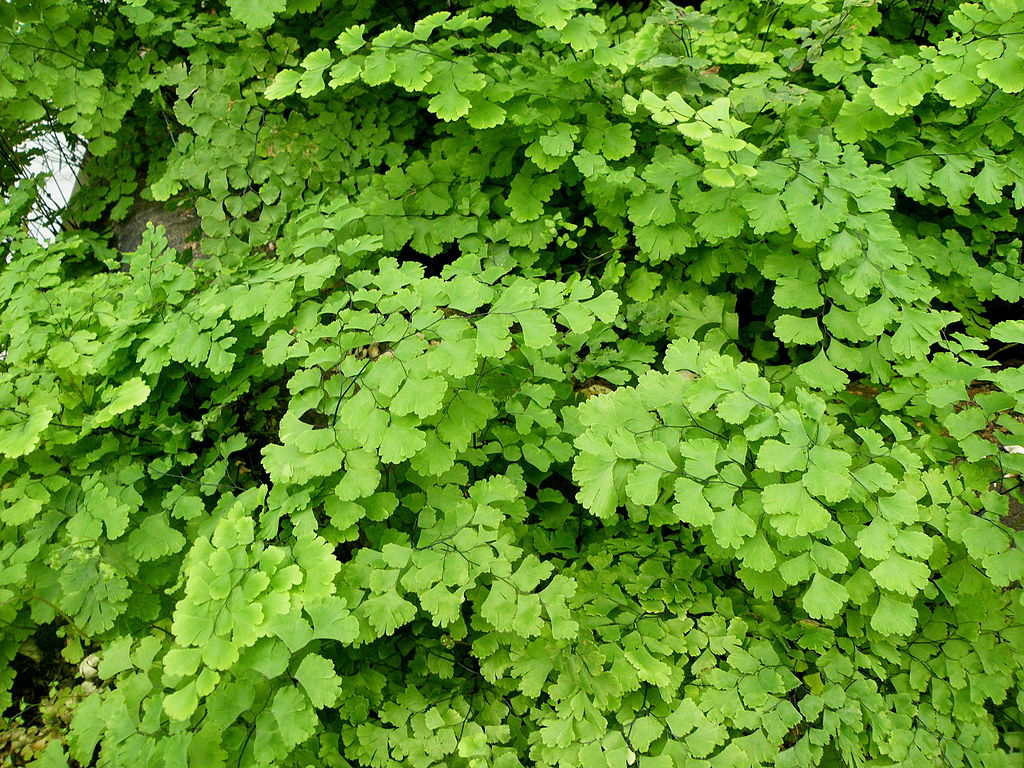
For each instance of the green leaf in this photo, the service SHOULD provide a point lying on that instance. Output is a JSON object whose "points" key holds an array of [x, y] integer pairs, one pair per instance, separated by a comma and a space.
{"points": [[719, 177], [449, 104], [493, 338], [402, 440], [651, 207], [797, 330], [582, 32], [182, 703], [777, 456], [296, 720], [154, 538], [617, 142], [797, 293], [422, 396], [527, 196], [387, 612], [900, 507], [1006, 72], [312, 80], [958, 89], [824, 598], [22, 437], [52, 756], [321, 683], [765, 213], [116, 658], [485, 114], [595, 472], [643, 731], [558, 141], [499, 607], [821, 374], [1006, 567], [351, 40], [793, 512], [894, 617], [554, 597], [658, 243], [332, 620], [538, 330], [828, 474], [642, 484], [551, 13], [731, 526], [256, 14], [691, 507], [685, 718], [344, 72], [128, 395], [901, 575], [1011, 331], [876, 540]]}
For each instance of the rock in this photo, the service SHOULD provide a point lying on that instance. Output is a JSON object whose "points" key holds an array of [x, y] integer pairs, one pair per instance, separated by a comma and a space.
{"points": [[181, 227]]}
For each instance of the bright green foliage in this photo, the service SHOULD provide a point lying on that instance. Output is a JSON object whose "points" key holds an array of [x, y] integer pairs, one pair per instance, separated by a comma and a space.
{"points": [[564, 385]]}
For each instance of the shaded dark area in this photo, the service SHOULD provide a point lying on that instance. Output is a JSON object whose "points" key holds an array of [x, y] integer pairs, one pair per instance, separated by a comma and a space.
{"points": [[35, 668]]}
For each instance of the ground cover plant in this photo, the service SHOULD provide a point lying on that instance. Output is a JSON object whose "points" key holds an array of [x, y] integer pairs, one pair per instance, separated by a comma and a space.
{"points": [[550, 383]]}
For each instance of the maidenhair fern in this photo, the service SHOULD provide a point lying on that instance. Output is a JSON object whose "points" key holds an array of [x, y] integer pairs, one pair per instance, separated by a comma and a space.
{"points": [[563, 384]]}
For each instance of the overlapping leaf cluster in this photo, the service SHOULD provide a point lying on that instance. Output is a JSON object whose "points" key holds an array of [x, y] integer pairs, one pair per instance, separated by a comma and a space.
{"points": [[561, 384]]}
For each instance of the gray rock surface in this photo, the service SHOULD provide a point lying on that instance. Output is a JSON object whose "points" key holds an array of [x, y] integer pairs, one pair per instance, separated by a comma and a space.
{"points": [[181, 227]]}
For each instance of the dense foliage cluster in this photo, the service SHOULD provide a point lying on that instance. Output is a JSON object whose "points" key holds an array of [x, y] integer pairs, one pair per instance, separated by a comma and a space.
{"points": [[559, 383]]}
